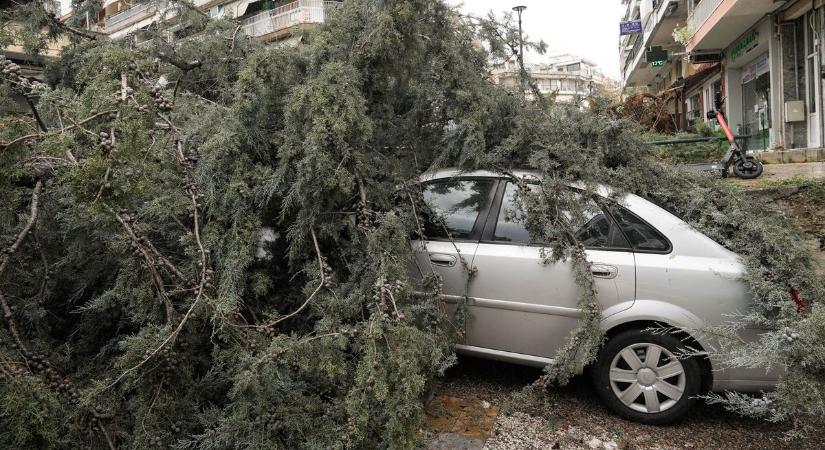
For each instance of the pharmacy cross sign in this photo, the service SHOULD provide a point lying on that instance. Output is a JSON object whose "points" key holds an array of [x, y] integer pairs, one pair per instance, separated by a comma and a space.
{"points": [[656, 56]]}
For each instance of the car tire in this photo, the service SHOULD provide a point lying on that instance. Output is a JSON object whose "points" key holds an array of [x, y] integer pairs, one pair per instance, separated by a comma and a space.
{"points": [[635, 388]]}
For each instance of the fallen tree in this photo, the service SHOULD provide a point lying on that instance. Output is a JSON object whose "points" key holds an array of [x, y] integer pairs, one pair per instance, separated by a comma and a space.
{"points": [[206, 241]]}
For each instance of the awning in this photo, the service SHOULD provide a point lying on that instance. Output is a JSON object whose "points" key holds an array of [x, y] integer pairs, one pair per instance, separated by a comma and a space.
{"points": [[697, 79]]}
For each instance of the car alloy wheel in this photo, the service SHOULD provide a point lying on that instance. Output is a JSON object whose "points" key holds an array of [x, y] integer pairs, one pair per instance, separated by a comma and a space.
{"points": [[640, 376], [647, 378]]}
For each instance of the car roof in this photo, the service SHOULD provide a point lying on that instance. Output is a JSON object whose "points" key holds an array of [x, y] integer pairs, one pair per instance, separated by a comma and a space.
{"points": [[446, 174], [455, 173]]}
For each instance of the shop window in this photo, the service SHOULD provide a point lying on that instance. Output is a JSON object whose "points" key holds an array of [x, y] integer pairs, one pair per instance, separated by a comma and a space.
{"points": [[756, 107], [693, 110]]}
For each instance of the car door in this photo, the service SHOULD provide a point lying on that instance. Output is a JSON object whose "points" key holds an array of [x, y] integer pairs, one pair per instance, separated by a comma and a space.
{"points": [[453, 222], [520, 304]]}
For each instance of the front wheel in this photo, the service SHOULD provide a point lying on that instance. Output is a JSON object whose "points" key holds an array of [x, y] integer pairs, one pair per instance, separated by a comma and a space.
{"points": [[639, 376], [748, 168]]}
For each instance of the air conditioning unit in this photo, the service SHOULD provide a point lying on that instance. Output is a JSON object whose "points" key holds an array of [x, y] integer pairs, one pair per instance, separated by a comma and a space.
{"points": [[703, 58]]}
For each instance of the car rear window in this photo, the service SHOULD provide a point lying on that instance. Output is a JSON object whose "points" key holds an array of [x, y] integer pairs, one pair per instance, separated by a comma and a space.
{"points": [[640, 235]]}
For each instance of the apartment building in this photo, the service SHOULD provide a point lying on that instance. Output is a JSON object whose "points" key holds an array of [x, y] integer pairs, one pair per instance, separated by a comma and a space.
{"points": [[265, 20], [658, 20], [29, 65], [568, 77], [763, 56]]}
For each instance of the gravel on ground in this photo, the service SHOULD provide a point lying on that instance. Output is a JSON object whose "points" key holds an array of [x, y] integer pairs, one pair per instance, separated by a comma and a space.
{"points": [[573, 417]]}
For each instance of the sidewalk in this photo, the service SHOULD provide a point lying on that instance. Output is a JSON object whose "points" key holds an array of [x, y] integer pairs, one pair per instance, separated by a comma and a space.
{"points": [[798, 155], [778, 172]]}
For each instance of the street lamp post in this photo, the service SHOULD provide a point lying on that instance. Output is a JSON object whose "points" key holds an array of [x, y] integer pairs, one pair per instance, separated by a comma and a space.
{"points": [[519, 9]]}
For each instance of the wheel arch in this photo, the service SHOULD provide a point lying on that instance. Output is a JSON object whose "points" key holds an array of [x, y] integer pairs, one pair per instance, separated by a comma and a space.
{"points": [[677, 331]]}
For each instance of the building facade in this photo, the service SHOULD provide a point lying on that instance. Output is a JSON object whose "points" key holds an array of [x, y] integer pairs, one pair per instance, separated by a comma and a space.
{"points": [[265, 20], [764, 57], [568, 77]]}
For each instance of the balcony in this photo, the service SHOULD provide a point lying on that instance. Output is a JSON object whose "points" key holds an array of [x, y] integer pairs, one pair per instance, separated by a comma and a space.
{"points": [[277, 22], [717, 23], [660, 19], [701, 13], [129, 16]]}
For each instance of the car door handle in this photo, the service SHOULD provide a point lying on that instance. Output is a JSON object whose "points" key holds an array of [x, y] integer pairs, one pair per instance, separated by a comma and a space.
{"points": [[604, 271], [440, 259]]}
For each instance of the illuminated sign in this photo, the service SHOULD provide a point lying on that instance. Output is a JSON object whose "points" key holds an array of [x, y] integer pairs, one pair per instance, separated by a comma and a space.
{"points": [[748, 43], [656, 56]]}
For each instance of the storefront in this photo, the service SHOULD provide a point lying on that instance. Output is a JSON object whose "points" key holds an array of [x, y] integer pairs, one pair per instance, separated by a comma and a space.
{"points": [[800, 30], [748, 86], [701, 90], [756, 109]]}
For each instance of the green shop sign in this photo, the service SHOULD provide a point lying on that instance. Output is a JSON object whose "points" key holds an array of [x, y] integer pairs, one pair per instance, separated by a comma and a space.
{"points": [[745, 45]]}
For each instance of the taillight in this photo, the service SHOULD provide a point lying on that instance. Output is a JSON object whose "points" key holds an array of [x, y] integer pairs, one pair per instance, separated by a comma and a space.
{"points": [[801, 304]]}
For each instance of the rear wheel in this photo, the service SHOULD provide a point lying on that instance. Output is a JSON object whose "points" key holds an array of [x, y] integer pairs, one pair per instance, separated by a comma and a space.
{"points": [[748, 168], [639, 376]]}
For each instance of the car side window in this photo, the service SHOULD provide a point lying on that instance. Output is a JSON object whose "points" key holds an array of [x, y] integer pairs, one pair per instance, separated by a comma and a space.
{"points": [[511, 225], [595, 229], [454, 206], [641, 236]]}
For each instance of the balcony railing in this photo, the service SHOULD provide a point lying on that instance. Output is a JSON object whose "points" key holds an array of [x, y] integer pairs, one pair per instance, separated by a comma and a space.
{"points": [[286, 16], [137, 12], [631, 57], [701, 13]]}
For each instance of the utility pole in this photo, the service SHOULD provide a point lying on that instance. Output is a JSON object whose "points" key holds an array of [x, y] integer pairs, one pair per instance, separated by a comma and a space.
{"points": [[519, 10]]}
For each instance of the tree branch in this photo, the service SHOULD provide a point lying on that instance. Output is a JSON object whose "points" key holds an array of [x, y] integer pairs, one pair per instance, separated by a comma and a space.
{"points": [[38, 188], [39, 120], [9, 252]]}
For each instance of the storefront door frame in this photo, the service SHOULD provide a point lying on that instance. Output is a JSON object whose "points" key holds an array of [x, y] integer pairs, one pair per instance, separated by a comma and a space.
{"points": [[813, 78]]}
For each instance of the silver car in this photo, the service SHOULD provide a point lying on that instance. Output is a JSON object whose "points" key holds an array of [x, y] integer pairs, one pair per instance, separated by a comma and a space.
{"points": [[651, 269]]}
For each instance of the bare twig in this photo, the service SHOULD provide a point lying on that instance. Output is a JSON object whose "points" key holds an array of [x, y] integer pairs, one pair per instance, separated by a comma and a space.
{"points": [[151, 405], [234, 34], [102, 184], [69, 128], [309, 299], [106, 435], [200, 289]]}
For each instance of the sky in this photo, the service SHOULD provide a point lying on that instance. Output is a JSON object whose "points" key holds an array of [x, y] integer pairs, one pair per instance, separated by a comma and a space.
{"points": [[586, 28]]}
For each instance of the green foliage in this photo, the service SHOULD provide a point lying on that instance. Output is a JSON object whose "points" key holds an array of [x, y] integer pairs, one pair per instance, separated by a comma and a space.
{"points": [[30, 413], [696, 152], [219, 255]]}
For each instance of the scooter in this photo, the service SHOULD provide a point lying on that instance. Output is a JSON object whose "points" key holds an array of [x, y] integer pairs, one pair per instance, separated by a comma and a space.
{"points": [[744, 166]]}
